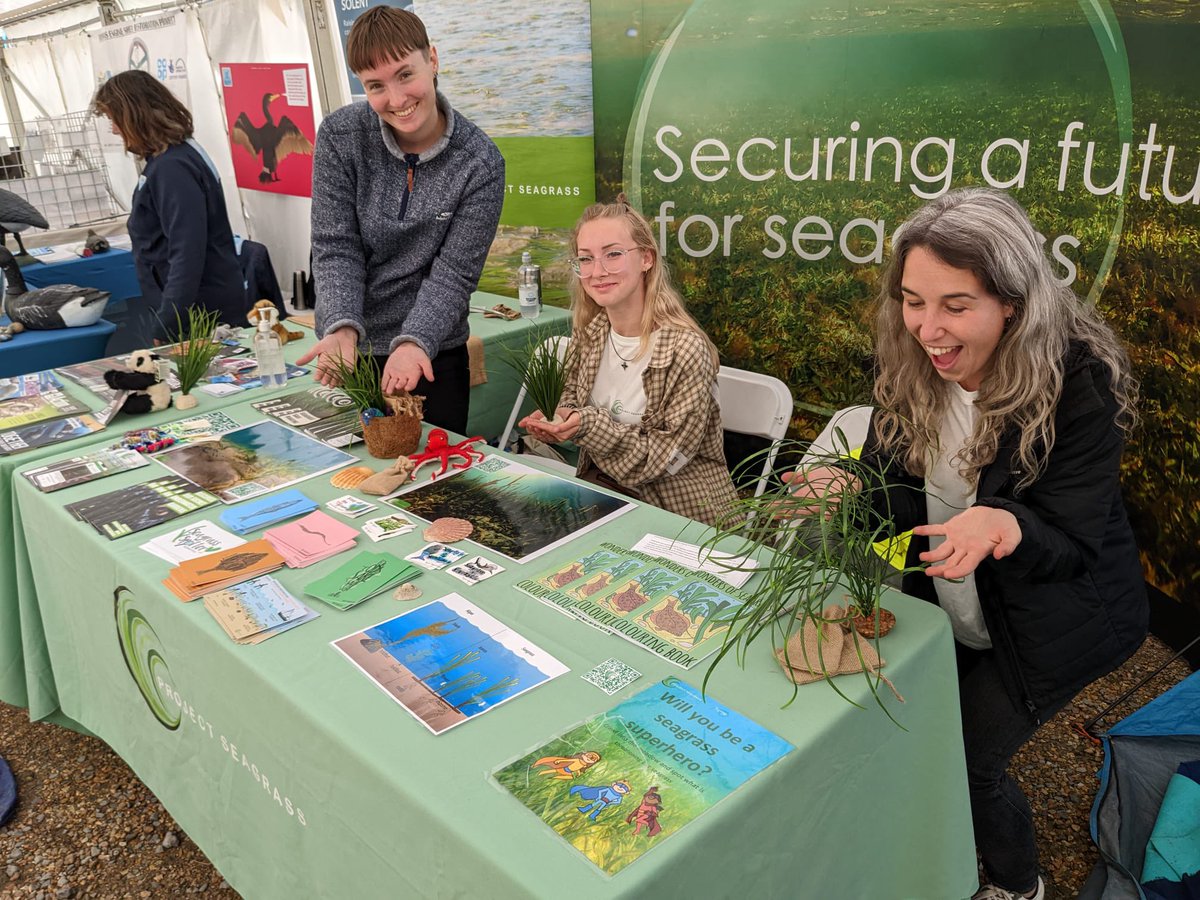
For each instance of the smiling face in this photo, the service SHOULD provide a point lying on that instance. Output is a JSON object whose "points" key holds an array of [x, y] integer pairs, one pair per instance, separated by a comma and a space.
{"points": [[402, 93], [624, 291], [955, 319]]}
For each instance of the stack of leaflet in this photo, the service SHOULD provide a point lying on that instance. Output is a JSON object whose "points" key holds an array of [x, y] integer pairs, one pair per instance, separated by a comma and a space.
{"points": [[364, 576], [309, 540], [256, 514], [198, 539], [257, 609], [205, 574]]}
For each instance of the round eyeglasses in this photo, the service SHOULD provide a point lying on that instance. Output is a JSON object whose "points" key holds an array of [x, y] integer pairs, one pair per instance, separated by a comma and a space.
{"points": [[612, 261]]}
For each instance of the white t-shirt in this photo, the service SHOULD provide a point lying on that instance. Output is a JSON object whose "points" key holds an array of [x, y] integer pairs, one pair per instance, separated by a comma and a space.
{"points": [[948, 494], [618, 387]]}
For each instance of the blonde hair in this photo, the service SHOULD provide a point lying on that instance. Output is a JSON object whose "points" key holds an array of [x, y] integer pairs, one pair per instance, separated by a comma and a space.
{"points": [[988, 233], [663, 304]]}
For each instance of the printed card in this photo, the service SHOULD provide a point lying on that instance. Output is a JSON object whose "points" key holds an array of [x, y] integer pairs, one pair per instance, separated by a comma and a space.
{"points": [[474, 570], [387, 526], [351, 507], [436, 556]]}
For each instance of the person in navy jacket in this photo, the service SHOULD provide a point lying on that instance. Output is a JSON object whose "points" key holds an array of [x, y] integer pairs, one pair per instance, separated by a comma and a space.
{"points": [[178, 225]]}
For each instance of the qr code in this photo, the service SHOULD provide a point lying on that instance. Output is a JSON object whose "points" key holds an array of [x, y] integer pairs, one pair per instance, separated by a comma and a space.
{"points": [[612, 675], [492, 464]]}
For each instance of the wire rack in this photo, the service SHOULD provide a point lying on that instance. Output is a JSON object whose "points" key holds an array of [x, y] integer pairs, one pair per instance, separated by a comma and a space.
{"points": [[60, 170]]}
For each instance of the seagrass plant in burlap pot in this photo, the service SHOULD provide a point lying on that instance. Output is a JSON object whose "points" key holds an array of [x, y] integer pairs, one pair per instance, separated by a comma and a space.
{"points": [[391, 422], [822, 563]]}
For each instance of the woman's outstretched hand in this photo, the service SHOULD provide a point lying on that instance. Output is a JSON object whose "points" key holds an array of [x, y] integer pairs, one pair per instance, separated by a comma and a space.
{"points": [[552, 432], [971, 537]]}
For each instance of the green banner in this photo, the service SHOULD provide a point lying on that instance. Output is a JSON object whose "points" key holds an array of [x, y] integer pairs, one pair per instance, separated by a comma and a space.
{"points": [[777, 144]]}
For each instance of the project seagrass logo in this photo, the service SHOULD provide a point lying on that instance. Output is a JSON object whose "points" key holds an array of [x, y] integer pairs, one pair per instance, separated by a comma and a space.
{"points": [[144, 658], [147, 664]]}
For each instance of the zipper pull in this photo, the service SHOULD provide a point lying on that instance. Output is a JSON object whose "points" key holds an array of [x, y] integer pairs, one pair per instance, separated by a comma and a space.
{"points": [[410, 163]]}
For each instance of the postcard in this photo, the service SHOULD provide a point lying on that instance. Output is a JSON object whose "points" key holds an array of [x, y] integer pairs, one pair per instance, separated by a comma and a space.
{"points": [[474, 570], [309, 540], [253, 460], [81, 469], [518, 512], [200, 428], [350, 506], [364, 576], [260, 513], [436, 556], [194, 578], [257, 609], [190, 541], [624, 781], [448, 661]]}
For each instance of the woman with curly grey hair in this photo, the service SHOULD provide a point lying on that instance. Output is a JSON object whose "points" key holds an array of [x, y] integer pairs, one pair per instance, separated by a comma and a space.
{"points": [[1002, 405]]}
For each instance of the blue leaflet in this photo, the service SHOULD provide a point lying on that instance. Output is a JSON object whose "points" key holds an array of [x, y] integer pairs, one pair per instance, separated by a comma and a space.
{"points": [[255, 514]]}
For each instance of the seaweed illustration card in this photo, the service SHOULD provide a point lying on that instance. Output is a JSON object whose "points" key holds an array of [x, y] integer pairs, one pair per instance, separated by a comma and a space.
{"points": [[518, 512], [364, 576], [448, 661], [624, 781], [253, 460]]}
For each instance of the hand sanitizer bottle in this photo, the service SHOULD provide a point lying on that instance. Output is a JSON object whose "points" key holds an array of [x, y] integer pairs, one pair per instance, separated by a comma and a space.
{"points": [[529, 286], [268, 350]]}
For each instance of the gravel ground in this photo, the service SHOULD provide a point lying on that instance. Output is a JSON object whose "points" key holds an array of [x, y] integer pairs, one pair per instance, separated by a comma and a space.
{"points": [[86, 826]]}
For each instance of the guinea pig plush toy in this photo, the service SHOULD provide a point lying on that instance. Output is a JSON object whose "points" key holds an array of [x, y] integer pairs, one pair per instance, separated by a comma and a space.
{"points": [[259, 310], [148, 392]]}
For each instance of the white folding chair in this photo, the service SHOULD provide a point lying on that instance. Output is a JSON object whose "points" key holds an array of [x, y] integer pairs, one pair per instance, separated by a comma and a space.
{"points": [[853, 422], [560, 343], [758, 405]]}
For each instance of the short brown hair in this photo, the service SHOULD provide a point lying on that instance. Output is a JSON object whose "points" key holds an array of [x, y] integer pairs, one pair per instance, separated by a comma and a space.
{"points": [[149, 117], [384, 34]]}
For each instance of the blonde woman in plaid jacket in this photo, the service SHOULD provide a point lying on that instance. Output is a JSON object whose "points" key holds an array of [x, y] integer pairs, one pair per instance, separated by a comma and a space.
{"points": [[641, 401]]}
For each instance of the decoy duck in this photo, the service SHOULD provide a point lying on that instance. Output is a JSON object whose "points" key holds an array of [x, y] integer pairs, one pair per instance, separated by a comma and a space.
{"points": [[56, 306], [17, 214]]}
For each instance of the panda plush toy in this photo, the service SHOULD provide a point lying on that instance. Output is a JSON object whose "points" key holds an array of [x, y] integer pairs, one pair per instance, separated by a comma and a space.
{"points": [[147, 391]]}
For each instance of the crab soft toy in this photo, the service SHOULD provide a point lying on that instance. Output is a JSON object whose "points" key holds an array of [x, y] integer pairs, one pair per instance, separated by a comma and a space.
{"points": [[439, 447]]}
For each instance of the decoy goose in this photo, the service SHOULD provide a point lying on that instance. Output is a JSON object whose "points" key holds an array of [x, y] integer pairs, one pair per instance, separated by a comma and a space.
{"points": [[56, 306], [17, 214]]}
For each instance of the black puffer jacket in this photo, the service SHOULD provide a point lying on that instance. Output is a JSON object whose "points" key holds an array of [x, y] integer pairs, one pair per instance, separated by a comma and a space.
{"points": [[1069, 604]]}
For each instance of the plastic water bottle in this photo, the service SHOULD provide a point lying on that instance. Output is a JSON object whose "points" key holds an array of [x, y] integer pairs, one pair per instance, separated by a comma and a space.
{"points": [[268, 350], [529, 287]]}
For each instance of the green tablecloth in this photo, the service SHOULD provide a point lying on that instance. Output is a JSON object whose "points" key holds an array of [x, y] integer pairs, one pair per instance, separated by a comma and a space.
{"points": [[299, 778], [491, 404]]}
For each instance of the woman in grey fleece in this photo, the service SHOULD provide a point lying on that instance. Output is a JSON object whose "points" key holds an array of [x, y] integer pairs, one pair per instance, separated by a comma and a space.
{"points": [[406, 198]]}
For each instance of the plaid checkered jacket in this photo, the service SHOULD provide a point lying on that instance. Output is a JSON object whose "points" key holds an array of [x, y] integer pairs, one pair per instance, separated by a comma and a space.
{"points": [[675, 458]]}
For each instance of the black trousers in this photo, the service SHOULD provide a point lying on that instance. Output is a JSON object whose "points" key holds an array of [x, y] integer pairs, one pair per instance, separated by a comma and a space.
{"points": [[995, 725], [448, 396]]}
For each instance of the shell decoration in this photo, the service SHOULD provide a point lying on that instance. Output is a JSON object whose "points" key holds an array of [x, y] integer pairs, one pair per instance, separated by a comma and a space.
{"points": [[352, 477], [448, 530], [407, 592]]}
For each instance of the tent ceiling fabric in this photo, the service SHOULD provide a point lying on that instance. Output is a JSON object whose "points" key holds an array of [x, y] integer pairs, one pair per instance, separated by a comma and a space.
{"points": [[58, 73]]}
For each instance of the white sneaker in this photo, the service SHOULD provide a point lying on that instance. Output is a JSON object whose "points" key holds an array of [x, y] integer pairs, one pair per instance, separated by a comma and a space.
{"points": [[995, 892]]}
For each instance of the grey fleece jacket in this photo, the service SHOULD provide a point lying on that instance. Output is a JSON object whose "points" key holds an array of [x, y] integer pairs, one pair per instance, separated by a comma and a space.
{"points": [[397, 265]]}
